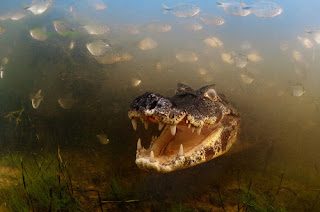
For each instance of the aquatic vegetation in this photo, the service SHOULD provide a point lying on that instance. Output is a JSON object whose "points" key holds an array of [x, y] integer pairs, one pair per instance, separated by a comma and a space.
{"points": [[15, 116]]}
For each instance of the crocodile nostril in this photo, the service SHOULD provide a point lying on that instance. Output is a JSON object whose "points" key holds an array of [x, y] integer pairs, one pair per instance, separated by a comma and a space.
{"points": [[153, 105]]}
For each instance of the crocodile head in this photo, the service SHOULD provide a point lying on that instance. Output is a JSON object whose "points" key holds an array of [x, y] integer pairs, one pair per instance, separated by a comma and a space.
{"points": [[197, 126]]}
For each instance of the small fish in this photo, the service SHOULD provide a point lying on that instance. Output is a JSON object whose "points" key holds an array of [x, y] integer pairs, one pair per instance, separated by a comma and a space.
{"points": [[72, 44], [306, 42], [187, 57], [1, 71], [96, 29], [240, 60], [5, 61], [98, 48], [263, 9], [183, 10], [227, 57], [247, 78], [233, 8], [97, 4], [135, 82], [113, 57], [67, 101], [103, 139], [147, 44], [192, 26], [61, 27], [36, 99], [15, 16], [297, 56], [254, 57], [212, 20], [39, 34], [314, 34], [2, 29], [213, 42], [39, 7], [297, 90], [158, 27]]}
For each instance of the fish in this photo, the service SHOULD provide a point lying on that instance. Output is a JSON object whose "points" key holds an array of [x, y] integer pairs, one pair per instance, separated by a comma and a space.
{"points": [[98, 47], [113, 57], [103, 139], [5, 61], [213, 42], [135, 82], [314, 34], [187, 57], [97, 4], [1, 71], [158, 27], [227, 57], [40, 6], [36, 99], [192, 26], [254, 57], [72, 44], [263, 9], [61, 27], [2, 29], [297, 90], [67, 101], [39, 34], [247, 78], [212, 20], [306, 42], [147, 44], [233, 8], [96, 29], [182, 10], [240, 60]]}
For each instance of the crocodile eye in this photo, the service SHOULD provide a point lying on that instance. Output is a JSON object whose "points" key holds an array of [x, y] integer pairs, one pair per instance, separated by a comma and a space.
{"points": [[211, 94]]}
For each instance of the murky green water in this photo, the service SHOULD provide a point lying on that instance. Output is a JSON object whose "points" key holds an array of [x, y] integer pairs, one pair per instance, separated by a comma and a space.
{"points": [[267, 67]]}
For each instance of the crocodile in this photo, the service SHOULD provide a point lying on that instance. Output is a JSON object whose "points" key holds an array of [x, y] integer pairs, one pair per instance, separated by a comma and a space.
{"points": [[197, 126]]}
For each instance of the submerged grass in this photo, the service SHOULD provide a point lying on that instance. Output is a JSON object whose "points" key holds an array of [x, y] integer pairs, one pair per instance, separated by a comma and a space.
{"points": [[38, 184]]}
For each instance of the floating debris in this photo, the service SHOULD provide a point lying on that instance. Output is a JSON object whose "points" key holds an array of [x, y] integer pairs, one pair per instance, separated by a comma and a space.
{"points": [[5, 61], [183, 10], [147, 44], [103, 139], [61, 27], [233, 8], [39, 7], [39, 34], [97, 4], [67, 101], [240, 60], [247, 78], [2, 29], [314, 34], [187, 57], [135, 82], [253, 57], [297, 90], [227, 57], [306, 42], [72, 44], [36, 99], [98, 47], [157, 27], [212, 20], [264, 9], [213, 42], [96, 29]]}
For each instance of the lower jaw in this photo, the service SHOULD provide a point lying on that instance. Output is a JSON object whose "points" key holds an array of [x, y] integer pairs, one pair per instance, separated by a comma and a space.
{"points": [[198, 154]]}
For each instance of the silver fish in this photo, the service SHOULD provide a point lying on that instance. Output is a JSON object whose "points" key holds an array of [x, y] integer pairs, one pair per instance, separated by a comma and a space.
{"points": [[233, 8], [61, 27], [67, 101], [2, 29], [96, 29], [98, 47], [264, 9], [212, 20], [157, 27], [39, 34], [314, 34], [40, 6], [183, 10], [36, 99]]}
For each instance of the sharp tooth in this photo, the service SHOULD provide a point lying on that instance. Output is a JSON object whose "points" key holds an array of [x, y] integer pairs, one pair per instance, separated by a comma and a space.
{"points": [[199, 130], [139, 147], [152, 139], [134, 124], [187, 121], [151, 159], [173, 129], [192, 129], [180, 150], [160, 125], [146, 125], [189, 125]]}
